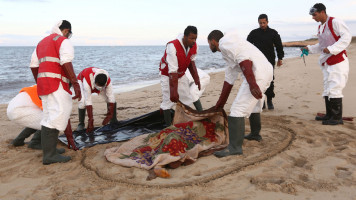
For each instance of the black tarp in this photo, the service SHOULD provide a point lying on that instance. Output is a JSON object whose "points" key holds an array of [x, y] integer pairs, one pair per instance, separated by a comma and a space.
{"points": [[149, 123]]}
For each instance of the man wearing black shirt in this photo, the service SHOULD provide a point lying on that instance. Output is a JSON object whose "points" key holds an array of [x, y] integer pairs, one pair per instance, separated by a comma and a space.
{"points": [[265, 39]]}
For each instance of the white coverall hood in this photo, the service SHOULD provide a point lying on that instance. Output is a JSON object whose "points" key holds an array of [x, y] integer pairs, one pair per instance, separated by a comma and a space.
{"points": [[56, 29]]}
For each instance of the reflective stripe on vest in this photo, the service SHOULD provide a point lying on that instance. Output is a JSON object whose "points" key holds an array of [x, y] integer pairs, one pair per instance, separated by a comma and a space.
{"points": [[49, 59], [52, 75], [56, 38]]}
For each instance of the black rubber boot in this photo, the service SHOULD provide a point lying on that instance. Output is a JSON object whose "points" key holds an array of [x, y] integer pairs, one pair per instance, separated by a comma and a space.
{"points": [[236, 137], [335, 112], [198, 105], [270, 104], [20, 139], [167, 117], [255, 124], [49, 139], [327, 108], [114, 117], [81, 116], [35, 142]]}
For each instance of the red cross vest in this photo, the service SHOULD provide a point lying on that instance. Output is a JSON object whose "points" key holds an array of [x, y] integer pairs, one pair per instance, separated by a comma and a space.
{"points": [[88, 75], [183, 60], [327, 38], [50, 72]]}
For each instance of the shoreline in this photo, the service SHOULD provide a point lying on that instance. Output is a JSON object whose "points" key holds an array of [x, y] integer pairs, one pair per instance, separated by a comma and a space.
{"points": [[300, 43]]}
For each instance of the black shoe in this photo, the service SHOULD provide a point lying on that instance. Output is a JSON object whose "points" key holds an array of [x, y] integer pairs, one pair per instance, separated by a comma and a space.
{"points": [[255, 125], [35, 142], [270, 105], [335, 112], [198, 105], [167, 117], [113, 120], [264, 105], [327, 116], [333, 122], [20, 139], [323, 118], [227, 152], [49, 139], [81, 117], [236, 137], [258, 138]]}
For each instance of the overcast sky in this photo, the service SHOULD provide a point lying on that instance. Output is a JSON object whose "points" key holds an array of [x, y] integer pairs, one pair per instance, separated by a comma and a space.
{"points": [[155, 22]]}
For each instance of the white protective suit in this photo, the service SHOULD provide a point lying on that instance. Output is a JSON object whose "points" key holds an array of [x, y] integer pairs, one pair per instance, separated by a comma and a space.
{"points": [[23, 111], [235, 50], [105, 92], [204, 81], [183, 82], [57, 106], [334, 76]]}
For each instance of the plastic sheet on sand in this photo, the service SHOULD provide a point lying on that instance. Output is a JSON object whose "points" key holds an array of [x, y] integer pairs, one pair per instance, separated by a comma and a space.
{"points": [[124, 130]]}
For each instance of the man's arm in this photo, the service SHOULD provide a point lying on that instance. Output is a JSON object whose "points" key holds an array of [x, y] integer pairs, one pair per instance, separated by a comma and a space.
{"points": [[88, 105], [246, 67], [111, 103], [66, 55], [171, 58], [172, 61], [69, 71], [34, 65], [313, 48], [86, 93], [279, 48], [109, 93], [194, 72], [66, 52], [250, 37]]}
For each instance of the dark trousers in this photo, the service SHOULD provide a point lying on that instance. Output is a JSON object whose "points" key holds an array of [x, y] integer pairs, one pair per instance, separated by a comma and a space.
{"points": [[270, 90]]}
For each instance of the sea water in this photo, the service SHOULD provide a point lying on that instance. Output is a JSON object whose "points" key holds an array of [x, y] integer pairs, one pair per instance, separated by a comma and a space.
{"points": [[129, 67]]}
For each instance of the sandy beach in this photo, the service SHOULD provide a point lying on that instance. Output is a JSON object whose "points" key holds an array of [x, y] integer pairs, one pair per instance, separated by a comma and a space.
{"points": [[298, 158]]}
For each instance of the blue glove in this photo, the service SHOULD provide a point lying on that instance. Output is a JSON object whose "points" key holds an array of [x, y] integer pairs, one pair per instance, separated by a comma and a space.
{"points": [[304, 52]]}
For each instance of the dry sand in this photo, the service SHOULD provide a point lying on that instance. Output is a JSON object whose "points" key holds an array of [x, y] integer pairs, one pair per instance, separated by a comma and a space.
{"points": [[298, 158]]}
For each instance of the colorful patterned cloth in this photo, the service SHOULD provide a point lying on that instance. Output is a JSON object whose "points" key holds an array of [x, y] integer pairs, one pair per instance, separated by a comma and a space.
{"points": [[192, 135]]}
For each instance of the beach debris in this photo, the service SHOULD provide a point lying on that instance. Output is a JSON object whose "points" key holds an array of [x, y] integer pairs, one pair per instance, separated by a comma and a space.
{"points": [[157, 172]]}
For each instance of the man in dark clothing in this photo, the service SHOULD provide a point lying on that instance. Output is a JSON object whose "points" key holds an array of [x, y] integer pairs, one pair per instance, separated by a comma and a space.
{"points": [[265, 39]]}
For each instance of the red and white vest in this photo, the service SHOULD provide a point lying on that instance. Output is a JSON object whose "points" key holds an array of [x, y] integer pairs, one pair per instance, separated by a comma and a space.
{"points": [[50, 72], [88, 74], [183, 60], [327, 38]]}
